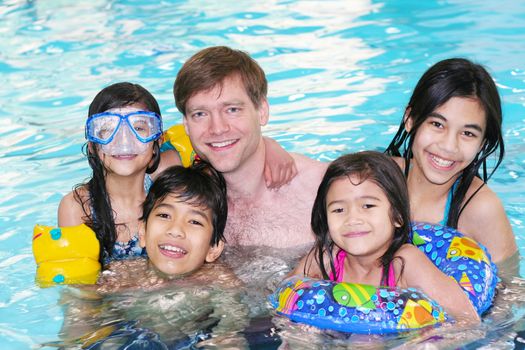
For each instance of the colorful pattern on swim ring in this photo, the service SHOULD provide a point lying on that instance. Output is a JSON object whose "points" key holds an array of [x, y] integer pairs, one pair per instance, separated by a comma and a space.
{"points": [[461, 258], [355, 308]]}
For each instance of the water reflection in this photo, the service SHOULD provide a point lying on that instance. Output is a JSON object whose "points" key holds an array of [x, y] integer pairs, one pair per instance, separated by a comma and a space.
{"points": [[340, 75]]}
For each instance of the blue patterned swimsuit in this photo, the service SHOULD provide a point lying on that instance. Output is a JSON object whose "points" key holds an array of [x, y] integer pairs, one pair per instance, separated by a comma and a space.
{"points": [[129, 249]]}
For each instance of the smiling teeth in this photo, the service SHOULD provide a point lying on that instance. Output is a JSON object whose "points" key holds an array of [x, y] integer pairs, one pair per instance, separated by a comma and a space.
{"points": [[222, 144], [173, 249], [442, 162]]}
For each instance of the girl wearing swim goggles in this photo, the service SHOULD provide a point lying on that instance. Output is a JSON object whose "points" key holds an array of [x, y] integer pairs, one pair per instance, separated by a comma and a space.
{"points": [[124, 131]]}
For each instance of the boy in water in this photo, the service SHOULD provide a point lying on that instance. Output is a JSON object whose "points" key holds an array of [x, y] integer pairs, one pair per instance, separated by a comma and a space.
{"points": [[182, 228], [180, 293]]}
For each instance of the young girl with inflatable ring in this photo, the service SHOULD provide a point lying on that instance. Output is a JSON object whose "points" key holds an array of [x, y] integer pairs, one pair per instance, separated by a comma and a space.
{"points": [[361, 221]]}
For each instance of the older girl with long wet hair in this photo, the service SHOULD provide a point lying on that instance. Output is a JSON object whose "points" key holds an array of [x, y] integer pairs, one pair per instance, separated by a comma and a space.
{"points": [[449, 144]]}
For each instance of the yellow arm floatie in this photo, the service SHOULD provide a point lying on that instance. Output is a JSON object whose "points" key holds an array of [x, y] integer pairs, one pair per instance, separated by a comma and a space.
{"points": [[65, 255], [176, 138]]}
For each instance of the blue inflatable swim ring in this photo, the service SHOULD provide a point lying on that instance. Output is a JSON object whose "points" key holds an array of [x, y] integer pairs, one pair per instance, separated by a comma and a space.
{"points": [[355, 308], [358, 308], [461, 258]]}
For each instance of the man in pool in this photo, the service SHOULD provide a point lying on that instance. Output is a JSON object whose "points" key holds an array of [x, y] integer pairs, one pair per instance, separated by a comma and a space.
{"points": [[222, 94]]}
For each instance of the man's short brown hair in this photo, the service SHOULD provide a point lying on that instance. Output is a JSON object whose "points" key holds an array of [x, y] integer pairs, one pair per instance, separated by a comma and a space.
{"points": [[210, 66]]}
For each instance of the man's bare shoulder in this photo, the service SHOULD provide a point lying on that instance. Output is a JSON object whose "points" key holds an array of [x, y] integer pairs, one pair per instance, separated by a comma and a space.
{"points": [[309, 169], [304, 185], [303, 160]]}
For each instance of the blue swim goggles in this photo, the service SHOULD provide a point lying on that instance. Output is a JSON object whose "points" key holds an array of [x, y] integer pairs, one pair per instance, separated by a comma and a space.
{"points": [[102, 127]]}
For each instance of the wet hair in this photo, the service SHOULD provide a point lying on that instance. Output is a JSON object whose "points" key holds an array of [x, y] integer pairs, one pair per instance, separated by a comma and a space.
{"points": [[366, 166], [455, 77], [199, 185], [209, 67], [98, 211]]}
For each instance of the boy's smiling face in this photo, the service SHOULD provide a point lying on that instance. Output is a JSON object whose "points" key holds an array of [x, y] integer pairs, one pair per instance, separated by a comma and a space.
{"points": [[177, 236]]}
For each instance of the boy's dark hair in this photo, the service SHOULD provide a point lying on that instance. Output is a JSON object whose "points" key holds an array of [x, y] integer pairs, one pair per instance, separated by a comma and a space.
{"points": [[209, 67], [98, 212], [199, 185], [455, 77], [385, 173]]}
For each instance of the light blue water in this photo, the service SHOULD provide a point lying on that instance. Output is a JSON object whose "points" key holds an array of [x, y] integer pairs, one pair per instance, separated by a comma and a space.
{"points": [[340, 73]]}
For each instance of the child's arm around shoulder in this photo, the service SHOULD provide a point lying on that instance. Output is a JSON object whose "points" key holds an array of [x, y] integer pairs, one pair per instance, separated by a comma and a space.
{"points": [[279, 165], [420, 273], [70, 212], [484, 219]]}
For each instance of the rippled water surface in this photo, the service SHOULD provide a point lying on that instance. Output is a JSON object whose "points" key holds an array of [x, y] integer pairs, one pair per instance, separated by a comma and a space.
{"points": [[340, 73]]}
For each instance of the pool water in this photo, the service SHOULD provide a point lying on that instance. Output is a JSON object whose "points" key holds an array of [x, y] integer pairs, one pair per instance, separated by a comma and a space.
{"points": [[340, 74]]}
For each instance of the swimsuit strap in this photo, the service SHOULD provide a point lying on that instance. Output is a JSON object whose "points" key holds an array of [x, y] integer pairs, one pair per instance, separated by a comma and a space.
{"points": [[391, 280], [339, 265], [449, 201]]}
